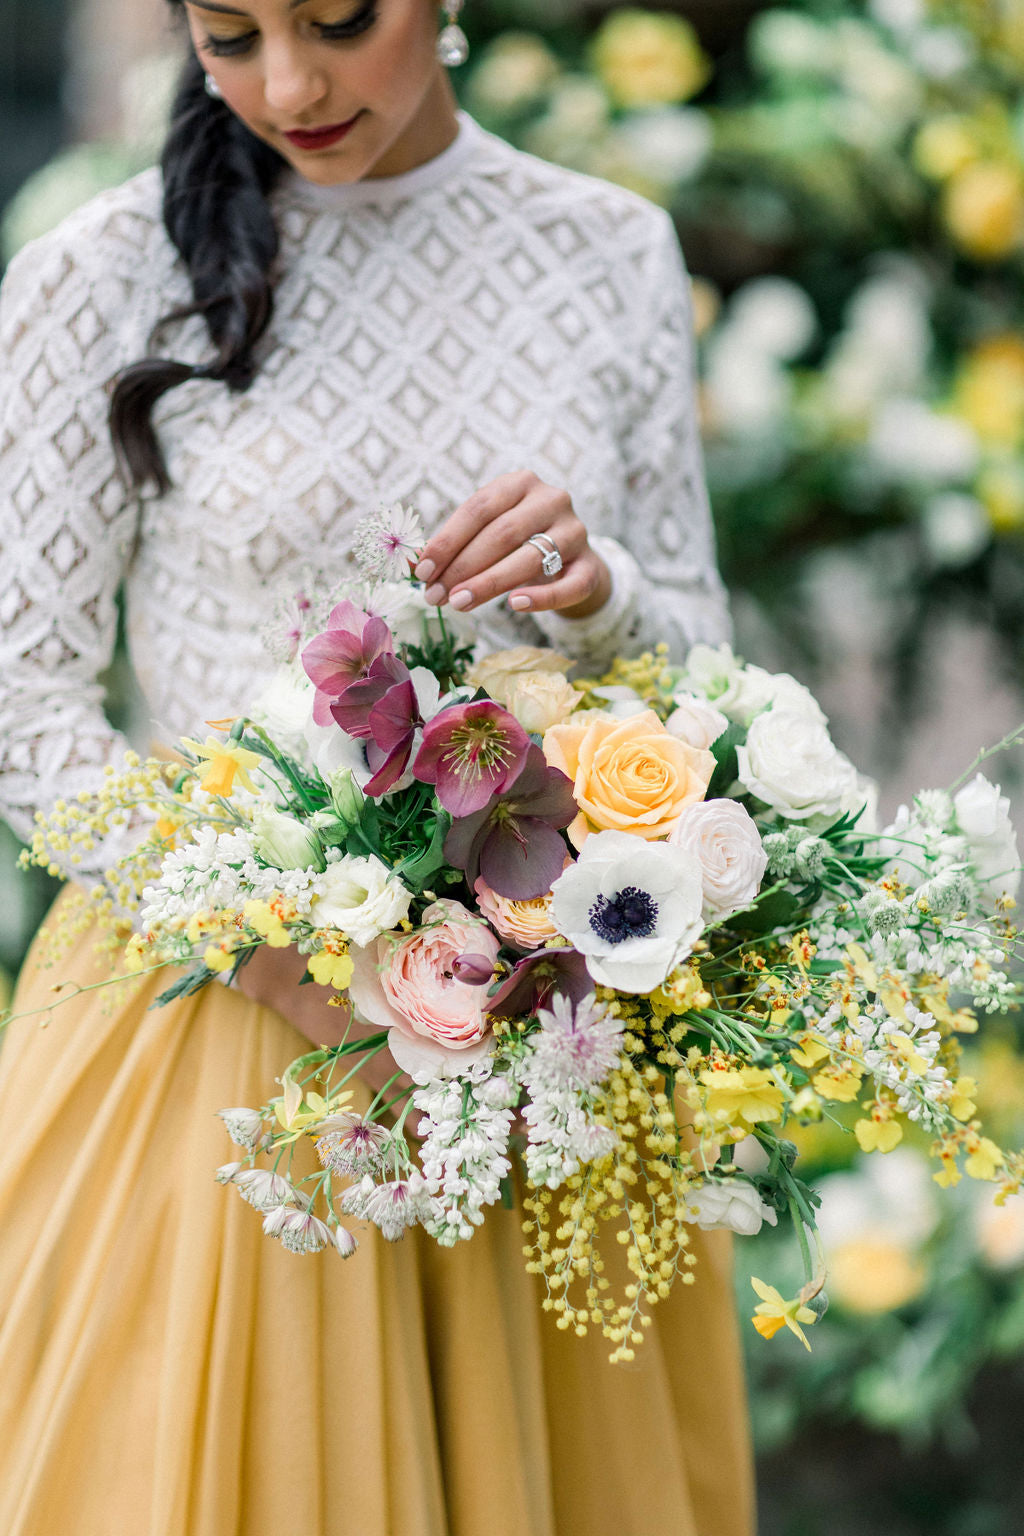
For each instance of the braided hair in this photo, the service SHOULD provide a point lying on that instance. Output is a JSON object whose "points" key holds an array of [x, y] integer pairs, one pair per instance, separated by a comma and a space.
{"points": [[216, 179]]}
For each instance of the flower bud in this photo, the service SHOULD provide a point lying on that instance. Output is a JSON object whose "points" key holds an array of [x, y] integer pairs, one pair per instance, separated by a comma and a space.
{"points": [[284, 843], [473, 970], [346, 796]]}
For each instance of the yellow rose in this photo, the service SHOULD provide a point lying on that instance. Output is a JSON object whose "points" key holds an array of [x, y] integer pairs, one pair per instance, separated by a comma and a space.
{"points": [[628, 775], [541, 699], [647, 58], [498, 673], [984, 209]]}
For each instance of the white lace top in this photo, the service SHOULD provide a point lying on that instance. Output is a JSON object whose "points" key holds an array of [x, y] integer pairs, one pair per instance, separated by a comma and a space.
{"points": [[482, 313]]}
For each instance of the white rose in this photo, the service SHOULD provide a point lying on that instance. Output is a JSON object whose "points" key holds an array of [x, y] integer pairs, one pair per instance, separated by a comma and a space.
{"points": [[360, 897], [731, 1203], [541, 699], [695, 721], [742, 692], [620, 701], [791, 763], [725, 841], [983, 816]]}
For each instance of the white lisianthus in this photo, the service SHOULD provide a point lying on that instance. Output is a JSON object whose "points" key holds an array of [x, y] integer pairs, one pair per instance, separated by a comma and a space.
{"points": [[695, 721], [360, 897], [983, 816], [731, 1203], [790, 762], [283, 842], [724, 839], [631, 907], [741, 692]]}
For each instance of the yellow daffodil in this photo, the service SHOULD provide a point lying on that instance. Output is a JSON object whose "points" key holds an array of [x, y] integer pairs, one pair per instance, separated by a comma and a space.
{"points": [[744, 1096], [221, 763], [330, 970], [775, 1312]]}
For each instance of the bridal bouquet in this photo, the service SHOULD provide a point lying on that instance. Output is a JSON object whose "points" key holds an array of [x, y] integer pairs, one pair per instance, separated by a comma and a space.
{"points": [[627, 928]]}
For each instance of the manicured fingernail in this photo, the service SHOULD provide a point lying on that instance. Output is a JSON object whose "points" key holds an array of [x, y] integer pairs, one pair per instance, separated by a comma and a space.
{"points": [[435, 594], [425, 570], [461, 599], [520, 601]]}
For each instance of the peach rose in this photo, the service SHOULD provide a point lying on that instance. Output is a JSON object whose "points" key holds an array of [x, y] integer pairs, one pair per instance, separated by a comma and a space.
{"points": [[526, 924], [628, 775], [408, 985], [498, 673]]}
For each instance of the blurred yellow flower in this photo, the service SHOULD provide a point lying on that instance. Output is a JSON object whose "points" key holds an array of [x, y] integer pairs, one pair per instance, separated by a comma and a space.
{"points": [[944, 146], [984, 209], [221, 762], [839, 1081], [878, 1134], [874, 1273], [989, 390], [775, 1312], [985, 1161], [262, 919], [962, 1105], [1000, 489], [648, 58]]}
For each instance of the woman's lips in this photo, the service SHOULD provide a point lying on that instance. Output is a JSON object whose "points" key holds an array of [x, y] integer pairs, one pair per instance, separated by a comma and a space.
{"points": [[320, 138]]}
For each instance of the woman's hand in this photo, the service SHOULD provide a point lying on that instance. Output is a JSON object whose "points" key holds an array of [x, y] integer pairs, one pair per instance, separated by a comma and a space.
{"points": [[272, 977], [482, 552]]}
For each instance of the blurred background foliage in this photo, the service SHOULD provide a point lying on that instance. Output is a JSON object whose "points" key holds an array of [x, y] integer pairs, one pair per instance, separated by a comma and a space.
{"points": [[847, 177]]}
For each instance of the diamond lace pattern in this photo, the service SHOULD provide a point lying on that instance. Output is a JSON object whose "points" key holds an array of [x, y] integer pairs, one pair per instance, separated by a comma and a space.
{"points": [[507, 315]]}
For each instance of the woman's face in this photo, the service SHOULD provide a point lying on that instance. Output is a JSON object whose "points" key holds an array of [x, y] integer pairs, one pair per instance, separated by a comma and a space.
{"points": [[343, 89]]}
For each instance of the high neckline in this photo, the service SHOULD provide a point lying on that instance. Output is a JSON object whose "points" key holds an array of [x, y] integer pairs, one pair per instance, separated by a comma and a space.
{"points": [[390, 189]]}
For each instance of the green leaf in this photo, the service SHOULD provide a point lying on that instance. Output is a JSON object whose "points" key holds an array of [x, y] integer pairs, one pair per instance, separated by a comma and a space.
{"points": [[724, 753], [778, 910], [192, 981]]}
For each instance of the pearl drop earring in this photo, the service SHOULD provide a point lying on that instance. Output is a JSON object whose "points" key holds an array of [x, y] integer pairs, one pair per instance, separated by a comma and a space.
{"points": [[212, 88], [452, 44]]}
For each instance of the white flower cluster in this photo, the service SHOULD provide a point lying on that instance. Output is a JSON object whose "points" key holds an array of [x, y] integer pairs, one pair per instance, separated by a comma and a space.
{"points": [[571, 1055], [918, 1092], [393, 1205], [464, 1155], [205, 872]]}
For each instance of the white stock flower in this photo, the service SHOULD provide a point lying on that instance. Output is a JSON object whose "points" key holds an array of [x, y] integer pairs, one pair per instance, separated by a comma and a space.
{"points": [[983, 816], [695, 721], [790, 762], [730, 1203], [631, 907], [360, 897], [724, 839]]}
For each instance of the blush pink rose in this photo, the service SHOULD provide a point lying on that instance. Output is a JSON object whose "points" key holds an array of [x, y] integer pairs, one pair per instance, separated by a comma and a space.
{"points": [[408, 986]]}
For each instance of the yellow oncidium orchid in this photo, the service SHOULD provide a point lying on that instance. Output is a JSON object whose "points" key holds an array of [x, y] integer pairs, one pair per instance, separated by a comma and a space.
{"points": [[984, 1161], [775, 1312], [296, 1121], [908, 1053], [878, 1134], [962, 1104], [839, 1081], [809, 1051], [221, 763], [262, 919], [218, 957], [330, 970], [745, 1096]]}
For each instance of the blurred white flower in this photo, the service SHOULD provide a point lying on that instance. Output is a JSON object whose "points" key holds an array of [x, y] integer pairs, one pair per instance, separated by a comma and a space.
{"points": [[983, 816], [942, 53], [790, 762], [791, 43], [514, 71], [746, 392], [898, 15], [909, 442], [668, 144], [956, 528], [775, 317]]}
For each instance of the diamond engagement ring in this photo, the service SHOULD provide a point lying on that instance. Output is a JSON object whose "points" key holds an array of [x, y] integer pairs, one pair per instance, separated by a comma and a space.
{"points": [[550, 559]]}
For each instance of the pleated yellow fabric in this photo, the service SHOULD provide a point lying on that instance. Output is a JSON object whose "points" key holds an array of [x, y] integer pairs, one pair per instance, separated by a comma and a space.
{"points": [[166, 1370]]}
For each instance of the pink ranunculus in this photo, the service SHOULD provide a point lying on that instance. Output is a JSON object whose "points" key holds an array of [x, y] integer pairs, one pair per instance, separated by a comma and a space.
{"points": [[409, 985], [344, 652]]}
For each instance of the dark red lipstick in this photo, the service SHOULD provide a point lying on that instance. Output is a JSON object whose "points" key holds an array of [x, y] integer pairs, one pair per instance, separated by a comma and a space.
{"points": [[321, 138]]}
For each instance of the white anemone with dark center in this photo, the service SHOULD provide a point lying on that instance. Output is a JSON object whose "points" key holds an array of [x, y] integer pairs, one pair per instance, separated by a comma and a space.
{"points": [[631, 907]]}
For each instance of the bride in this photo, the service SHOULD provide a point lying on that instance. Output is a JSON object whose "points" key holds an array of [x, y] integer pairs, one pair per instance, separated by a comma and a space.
{"points": [[337, 292]]}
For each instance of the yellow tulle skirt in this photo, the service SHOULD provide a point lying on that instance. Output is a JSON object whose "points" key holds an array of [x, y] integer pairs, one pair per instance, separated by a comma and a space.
{"points": [[166, 1370]]}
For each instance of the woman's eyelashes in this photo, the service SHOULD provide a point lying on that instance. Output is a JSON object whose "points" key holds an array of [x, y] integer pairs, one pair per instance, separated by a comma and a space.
{"points": [[329, 31]]}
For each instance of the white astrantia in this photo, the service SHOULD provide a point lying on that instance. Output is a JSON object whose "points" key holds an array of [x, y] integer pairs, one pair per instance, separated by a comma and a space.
{"points": [[388, 542], [347, 1144], [790, 763], [566, 1062], [632, 908], [731, 1203], [464, 1137], [360, 897], [263, 1189], [723, 837], [298, 1231], [393, 1205], [225, 1174], [244, 1126]]}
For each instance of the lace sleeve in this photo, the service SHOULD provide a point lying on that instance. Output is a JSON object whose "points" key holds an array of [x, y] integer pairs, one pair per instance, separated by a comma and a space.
{"points": [[67, 524], [666, 584]]}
